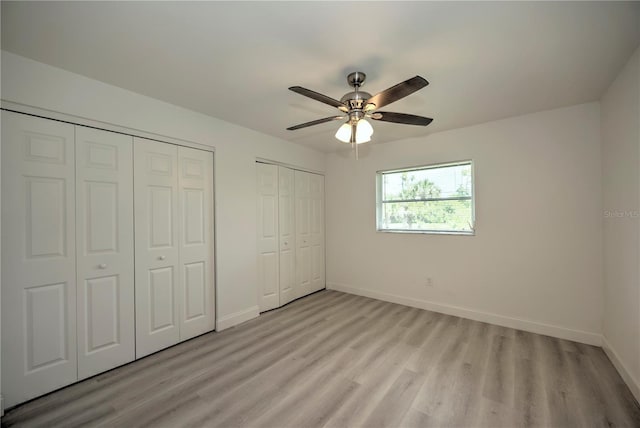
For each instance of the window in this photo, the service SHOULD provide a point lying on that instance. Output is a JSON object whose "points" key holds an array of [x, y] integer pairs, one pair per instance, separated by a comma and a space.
{"points": [[427, 199]]}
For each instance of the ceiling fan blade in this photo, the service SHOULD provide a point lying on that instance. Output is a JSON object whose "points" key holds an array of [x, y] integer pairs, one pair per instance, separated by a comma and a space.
{"points": [[407, 119], [315, 122], [319, 97], [395, 93]]}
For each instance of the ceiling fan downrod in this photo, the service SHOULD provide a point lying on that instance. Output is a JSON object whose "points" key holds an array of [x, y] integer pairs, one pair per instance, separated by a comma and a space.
{"points": [[355, 101]]}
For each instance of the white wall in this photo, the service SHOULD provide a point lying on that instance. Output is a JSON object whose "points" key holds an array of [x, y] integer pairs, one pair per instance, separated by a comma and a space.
{"points": [[536, 260], [35, 84], [620, 108]]}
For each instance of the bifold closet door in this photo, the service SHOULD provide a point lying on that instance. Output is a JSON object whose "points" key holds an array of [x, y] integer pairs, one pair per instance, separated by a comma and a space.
{"points": [[38, 257], [157, 254], [303, 233], [104, 244], [286, 230], [290, 220], [316, 206], [195, 195], [267, 222]]}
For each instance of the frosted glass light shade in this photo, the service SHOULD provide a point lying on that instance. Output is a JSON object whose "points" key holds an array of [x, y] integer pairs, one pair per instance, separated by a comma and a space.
{"points": [[344, 133], [364, 130]]}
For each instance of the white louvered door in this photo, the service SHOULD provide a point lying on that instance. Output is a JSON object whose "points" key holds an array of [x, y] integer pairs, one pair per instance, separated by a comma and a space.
{"points": [[38, 257], [105, 268], [158, 287]]}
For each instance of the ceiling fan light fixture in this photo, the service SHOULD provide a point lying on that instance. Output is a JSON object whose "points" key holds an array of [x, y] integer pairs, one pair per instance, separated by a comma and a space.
{"points": [[364, 130], [358, 104], [344, 133]]}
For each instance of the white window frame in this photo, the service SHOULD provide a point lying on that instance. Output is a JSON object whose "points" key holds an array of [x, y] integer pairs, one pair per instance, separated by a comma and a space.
{"points": [[379, 201]]}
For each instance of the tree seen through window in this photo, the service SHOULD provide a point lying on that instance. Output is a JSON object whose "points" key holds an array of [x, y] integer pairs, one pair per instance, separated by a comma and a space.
{"points": [[436, 198]]}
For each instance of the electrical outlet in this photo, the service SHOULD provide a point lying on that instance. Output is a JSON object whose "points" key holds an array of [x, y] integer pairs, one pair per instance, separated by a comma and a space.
{"points": [[429, 282]]}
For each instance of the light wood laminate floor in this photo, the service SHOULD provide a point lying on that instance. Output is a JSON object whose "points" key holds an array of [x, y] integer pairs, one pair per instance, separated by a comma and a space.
{"points": [[339, 360]]}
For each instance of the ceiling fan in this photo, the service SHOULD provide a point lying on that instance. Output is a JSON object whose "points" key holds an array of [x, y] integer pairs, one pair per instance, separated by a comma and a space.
{"points": [[359, 105]]}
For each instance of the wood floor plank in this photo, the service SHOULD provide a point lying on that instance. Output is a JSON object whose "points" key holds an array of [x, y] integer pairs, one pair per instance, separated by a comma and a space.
{"points": [[338, 360], [452, 395], [529, 398], [416, 419], [563, 405], [304, 398], [612, 386], [374, 383], [435, 397], [499, 384], [397, 401]]}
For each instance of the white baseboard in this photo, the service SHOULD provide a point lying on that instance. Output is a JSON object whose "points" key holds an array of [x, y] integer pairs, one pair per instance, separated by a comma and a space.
{"points": [[520, 324], [632, 383], [236, 318]]}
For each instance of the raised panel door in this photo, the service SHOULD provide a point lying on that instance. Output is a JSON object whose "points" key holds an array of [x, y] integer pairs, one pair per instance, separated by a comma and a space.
{"points": [[38, 257], [104, 241], [267, 222], [286, 223], [316, 216], [195, 196], [158, 287], [303, 233]]}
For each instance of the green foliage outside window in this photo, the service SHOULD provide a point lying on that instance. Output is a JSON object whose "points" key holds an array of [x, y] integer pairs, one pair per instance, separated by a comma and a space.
{"points": [[431, 199]]}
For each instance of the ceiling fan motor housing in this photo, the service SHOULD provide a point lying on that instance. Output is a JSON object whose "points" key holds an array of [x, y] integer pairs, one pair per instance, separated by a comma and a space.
{"points": [[355, 100]]}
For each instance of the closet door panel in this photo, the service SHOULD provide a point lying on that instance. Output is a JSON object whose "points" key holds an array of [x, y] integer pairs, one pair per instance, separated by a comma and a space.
{"points": [[286, 227], [38, 257], [158, 287], [267, 222], [105, 271], [303, 233], [195, 190], [316, 197]]}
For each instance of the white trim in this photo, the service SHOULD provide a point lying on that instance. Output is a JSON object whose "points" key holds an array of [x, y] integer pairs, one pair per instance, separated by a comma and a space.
{"points": [[428, 166], [288, 165], [380, 201], [517, 323], [632, 383], [91, 123], [236, 318]]}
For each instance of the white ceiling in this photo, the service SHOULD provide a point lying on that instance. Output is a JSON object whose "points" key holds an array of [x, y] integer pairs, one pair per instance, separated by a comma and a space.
{"points": [[235, 60]]}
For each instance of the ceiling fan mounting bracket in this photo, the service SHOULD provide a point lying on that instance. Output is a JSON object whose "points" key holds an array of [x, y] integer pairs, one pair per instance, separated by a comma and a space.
{"points": [[356, 79]]}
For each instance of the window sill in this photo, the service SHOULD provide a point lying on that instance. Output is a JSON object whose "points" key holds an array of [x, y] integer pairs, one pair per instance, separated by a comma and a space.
{"points": [[428, 232]]}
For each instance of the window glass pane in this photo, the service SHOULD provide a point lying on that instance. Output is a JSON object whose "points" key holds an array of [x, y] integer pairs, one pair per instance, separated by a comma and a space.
{"points": [[449, 215], [440, 182]]}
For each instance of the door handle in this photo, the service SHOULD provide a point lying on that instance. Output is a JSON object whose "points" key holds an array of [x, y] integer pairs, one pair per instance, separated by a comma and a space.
{"points": [[102, 265], [161, 257]]}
